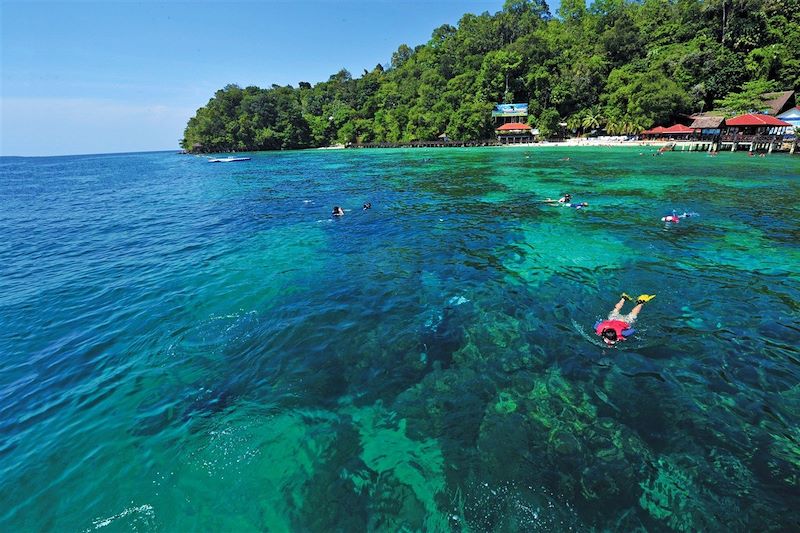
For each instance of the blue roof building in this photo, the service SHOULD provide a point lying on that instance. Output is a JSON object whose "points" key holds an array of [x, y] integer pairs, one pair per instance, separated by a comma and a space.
{"points": [[791, 116]]}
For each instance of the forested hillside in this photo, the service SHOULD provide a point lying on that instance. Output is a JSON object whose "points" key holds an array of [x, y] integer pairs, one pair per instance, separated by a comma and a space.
{"points": [[619, 64]]}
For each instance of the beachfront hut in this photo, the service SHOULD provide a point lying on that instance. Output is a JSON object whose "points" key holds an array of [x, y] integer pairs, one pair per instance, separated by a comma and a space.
{"points": [[514, 133], [755, 132], [706, 127], [652, 133], [791, 116], [510, 123], [760, 125], [777, 103], [678, 131]]}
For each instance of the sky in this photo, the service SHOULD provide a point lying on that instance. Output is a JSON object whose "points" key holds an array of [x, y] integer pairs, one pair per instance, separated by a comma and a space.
{"points": [[81, 77]]}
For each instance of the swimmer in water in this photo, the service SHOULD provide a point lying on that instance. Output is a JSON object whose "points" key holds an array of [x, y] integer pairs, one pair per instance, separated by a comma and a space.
{"points": [[579, 205], [567, 198], [675, 218], [337, 211], [618, 327], [367, 205]]}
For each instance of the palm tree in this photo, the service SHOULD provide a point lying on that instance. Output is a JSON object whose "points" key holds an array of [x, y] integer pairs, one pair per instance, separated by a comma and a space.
{"points": [[593, 118], [614, 126], [575, 122], [638, 125]]}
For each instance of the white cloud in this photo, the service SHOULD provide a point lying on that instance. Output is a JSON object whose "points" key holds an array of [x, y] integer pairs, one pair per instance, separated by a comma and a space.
{"points": [[60, 126]]}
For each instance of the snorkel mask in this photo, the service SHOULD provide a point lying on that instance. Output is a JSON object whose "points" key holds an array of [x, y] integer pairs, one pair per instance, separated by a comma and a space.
{"points": [[610, 335]]}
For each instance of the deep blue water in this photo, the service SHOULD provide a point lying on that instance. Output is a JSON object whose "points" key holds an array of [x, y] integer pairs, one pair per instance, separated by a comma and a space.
{"points": [[196, 346]]}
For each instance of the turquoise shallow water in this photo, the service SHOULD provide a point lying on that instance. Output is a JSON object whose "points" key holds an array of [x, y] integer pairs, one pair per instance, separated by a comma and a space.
{"points": [[191, 346]]}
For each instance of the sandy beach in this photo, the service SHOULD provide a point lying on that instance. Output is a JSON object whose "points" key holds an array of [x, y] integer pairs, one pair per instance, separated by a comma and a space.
{"points": [[580, 142]]}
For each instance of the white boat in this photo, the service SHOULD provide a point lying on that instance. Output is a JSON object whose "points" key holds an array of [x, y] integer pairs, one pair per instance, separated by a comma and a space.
{"points": [[228, 159]]}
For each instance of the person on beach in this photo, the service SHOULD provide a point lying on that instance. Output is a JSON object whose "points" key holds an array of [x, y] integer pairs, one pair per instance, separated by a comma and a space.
{"points": [[618, 327], [337, 211]]}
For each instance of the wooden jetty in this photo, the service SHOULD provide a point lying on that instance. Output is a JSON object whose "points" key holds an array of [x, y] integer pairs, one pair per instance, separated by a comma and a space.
{"points": [[732, 143]]}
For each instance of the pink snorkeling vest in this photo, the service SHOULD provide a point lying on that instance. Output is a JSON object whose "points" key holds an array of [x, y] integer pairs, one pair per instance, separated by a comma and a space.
{"points": [[622, 329]]}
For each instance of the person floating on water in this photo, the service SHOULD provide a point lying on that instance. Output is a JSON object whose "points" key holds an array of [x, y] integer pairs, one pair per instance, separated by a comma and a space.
{"points": [[367, 205], [567, 198], [566, 201], [579, 205], [618, 327], [675, 218], [337, 211]]}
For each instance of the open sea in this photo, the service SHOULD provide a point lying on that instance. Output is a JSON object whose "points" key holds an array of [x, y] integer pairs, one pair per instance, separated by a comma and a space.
{"points": [[189, 346]]}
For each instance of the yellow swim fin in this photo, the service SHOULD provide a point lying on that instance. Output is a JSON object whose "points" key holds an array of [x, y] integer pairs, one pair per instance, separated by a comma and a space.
{"points": [[626, 297], [644, 298]]}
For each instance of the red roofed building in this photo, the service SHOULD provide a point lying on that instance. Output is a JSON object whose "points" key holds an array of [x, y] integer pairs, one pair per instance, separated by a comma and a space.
{"points": [[678, 131], [514, 133], [510, 123], [514, 127], [753, 124], [653, 132], [756, 131], [754, 120]]}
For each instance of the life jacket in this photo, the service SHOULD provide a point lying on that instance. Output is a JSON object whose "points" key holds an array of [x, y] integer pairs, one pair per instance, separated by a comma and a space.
{"points": [[621, 328]]}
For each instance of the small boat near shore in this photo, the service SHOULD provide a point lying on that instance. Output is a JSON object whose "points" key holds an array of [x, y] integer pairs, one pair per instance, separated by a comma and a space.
{"points": [[228, 159]]}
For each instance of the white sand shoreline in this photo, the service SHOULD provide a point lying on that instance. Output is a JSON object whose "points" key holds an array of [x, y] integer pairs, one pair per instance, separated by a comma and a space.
{"points": [[569, 143], [575, 143]]}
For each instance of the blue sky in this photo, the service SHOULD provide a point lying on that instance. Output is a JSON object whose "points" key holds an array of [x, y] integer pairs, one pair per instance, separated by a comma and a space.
{"points": [[96, 77]]}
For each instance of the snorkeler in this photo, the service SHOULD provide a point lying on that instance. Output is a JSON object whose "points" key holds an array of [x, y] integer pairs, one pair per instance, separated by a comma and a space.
{"points": [[567, 198], [367, 205], [337, 211], [675, 218], [566, 201], [618, 327], [578, 205]]}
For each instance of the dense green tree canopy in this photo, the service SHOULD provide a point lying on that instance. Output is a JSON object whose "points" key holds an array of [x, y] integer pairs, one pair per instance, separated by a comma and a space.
{"points": [[622, 65]]}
